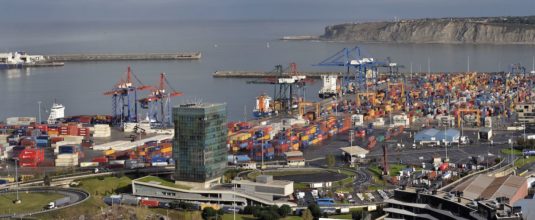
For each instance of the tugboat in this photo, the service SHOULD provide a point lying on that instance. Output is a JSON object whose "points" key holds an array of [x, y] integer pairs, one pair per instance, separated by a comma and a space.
{"points": [[263, 107]]}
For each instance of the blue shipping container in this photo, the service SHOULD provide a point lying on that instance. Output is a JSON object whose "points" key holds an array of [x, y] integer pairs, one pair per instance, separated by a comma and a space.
{"points": [[159, 159]]}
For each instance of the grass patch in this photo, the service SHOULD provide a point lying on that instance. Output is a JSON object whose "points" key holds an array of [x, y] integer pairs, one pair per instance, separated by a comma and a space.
{"points": [[375, 187], [162, 182], [344, 216], [393, 169], [254, 174], [177, 214], [98, 189], [508, 151], [301, 186], [30, 201], [520, 162]]}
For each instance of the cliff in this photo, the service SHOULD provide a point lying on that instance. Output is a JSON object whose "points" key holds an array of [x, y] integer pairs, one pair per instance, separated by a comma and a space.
{"points": [[495, 30]]}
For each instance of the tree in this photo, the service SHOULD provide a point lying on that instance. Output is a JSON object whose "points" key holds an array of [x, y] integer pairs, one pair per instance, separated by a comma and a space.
{"points": [[330, 160], [46, 180], [268, 214], [356, 214], [247, 210], [208, 213], [256, 210], [315, 210], [307, 215], [285, 210]]}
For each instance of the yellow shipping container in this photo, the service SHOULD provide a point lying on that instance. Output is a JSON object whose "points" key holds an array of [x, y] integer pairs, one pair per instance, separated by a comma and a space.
{"points": [[304, 138], [109, 152], [8, 179], [243, 136], [214, 206], [166, 150], [295, 146], [312, 130]]}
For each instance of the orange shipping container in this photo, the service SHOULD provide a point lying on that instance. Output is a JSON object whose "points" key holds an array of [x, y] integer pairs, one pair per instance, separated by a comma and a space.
{"points": [[166, 150]]}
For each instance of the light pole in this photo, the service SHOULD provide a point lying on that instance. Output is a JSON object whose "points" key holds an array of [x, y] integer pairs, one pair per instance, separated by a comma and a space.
{"points": [[17, 180], [39, 103], [234, 201]]}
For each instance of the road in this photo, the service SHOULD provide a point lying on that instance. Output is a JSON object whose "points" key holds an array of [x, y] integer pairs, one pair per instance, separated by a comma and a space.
{"points": [[76, 196]]}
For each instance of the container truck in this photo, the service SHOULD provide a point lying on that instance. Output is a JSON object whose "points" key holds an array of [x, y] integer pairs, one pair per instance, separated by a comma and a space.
{"points": [[58, 203]]}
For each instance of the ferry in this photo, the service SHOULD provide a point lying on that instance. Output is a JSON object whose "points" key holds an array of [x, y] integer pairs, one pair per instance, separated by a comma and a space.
{"points": [[22, 59]]}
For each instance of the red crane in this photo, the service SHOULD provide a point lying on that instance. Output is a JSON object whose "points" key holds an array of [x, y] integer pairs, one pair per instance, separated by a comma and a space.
{"points": [[160, 97], [124, 95]]}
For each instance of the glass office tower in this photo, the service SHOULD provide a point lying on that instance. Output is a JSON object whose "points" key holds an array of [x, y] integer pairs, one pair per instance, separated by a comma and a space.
{"points": [[199, 144]]}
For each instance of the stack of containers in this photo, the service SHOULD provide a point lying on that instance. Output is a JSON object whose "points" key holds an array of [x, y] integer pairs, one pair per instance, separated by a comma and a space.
{"points": [[83, 132], [53, 131], [3, 146], [68, 156], [27, 142], [42, 141], [101, 130], [31, 157]]}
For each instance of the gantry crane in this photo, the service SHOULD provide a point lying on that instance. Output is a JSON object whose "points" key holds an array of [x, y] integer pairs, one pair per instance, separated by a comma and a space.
{"points": [[365, 67], [287, 86], [158, 103], [124, 95]]}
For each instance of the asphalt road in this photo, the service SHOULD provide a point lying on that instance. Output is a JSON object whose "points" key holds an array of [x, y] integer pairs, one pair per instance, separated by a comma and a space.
{"points": [[76, 196]]}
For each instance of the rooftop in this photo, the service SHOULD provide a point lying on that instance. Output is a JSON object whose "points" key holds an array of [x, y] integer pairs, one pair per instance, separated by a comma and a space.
{"points": [[161, 181], [489, 187], [354, 150], [199, 105]]}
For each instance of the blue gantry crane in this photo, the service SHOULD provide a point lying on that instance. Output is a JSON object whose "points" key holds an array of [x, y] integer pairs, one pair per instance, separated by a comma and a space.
{"points": [[124, 96], [364, 68]]}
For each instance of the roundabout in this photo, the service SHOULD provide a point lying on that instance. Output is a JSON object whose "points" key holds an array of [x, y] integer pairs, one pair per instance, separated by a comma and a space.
{"points": [[35, 200]]}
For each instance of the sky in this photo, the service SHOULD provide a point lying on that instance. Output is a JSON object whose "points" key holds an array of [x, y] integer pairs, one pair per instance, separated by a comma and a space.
{"points": [[339, 10]]}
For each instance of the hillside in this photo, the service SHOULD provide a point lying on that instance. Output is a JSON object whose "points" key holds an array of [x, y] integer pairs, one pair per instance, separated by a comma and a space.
{"points": [[491, 30]]}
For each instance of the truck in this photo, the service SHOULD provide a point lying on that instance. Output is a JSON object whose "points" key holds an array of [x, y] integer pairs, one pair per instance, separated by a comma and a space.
{"points": [[58, 203]]}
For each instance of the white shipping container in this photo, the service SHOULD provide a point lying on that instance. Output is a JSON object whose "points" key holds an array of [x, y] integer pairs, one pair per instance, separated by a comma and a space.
{"points": [[159, 164], [113, 162], [67, 156], [89, 164], [20, 120], [66, 164]]}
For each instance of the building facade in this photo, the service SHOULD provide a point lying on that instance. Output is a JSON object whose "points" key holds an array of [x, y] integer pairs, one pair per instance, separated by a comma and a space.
{"points": [[199, 144]]}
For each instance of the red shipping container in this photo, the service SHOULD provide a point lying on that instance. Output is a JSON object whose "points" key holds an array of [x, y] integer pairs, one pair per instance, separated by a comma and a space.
{"points": [[85, 119], [46, 163], [149, 202], [27, 142], [102, 159], [42, 127], [27, 164]]}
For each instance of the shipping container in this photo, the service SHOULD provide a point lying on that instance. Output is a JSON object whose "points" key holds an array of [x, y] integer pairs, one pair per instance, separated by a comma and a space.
{"points": [[151, 203]]}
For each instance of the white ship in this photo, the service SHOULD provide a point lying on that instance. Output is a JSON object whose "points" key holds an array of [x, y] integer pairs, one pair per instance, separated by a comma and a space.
{"points": [[56, 112], [329, 88]]}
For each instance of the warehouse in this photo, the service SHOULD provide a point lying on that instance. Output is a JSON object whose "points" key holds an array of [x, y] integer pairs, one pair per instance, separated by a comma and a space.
{"points": [[435, 136], [488, 187]]}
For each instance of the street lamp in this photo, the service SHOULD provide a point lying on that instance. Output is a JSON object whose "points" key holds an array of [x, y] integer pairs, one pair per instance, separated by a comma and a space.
{"points": [[17, 201]]}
